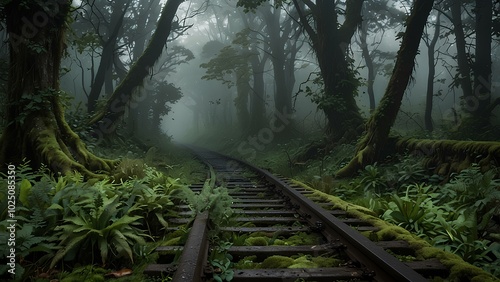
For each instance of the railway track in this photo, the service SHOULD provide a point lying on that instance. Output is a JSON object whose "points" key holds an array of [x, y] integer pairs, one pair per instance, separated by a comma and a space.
{"points": [[278, 233]]}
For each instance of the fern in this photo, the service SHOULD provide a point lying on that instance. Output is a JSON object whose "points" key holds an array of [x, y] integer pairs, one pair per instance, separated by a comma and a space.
{"points": [[216, 200]]}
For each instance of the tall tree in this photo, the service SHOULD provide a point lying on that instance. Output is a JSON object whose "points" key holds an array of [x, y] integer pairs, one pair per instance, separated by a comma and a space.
{"points": [[37, 129], [282, 36], [330, 41], [378, 16], [117, 103], [479, 106], [431, 61], [108, 53], [474, 71], [371, 146], [232, 66]]}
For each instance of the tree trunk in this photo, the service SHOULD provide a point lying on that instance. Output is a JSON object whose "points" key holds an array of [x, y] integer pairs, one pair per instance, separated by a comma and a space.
{"points": [[241, 101], [37, 129], [479, 104], [282, 97], [107, 56], [370, 147], [464, 78], [123, 94], [369, 65], [431, 48], [331, 43], [257, 98], [340, 83]]}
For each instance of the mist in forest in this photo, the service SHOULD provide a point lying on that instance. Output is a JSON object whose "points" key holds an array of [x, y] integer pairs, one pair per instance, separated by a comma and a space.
{"points": [[233, 70]]}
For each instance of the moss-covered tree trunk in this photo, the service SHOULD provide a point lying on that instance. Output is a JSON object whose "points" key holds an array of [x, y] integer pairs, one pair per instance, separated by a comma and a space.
{"points": [[37, 130], [339, 104], [378, 126]]}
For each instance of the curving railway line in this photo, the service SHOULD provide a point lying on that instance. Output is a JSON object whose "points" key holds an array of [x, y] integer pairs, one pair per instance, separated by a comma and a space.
{"points": [[271, 206]]}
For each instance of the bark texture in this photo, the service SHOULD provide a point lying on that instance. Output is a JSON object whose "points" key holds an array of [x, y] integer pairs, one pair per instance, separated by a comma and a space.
{"points": [[378, 126], [123, 94], [330, 42], [37, 130]]}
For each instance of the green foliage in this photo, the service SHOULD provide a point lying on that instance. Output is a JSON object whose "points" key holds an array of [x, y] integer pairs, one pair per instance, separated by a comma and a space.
{"points": [[415, 211], [372, 179], [39, 101], [454, 216], [460, 237], [216, 200], [231, 59], [36, 47], [66, 218], [250, 5], [99, 222], [471, 188], [220, 259], [409, 171], [129, 169]]}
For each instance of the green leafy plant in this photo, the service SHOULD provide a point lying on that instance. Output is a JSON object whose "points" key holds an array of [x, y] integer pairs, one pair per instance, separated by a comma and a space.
{"points": [[100, 223], [216, 200], [471, 188], [460, 236], [372, 179], [410, 171], [414, 211], [220, 259]]}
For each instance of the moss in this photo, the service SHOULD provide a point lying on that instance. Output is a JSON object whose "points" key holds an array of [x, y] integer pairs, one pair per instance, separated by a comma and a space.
{"points": [[459, 269], [303, 262], [301, 239], [129, 168], [279, 242], [326, 262], [256, 241], [247, 263], [449, 156], [277, 262]]}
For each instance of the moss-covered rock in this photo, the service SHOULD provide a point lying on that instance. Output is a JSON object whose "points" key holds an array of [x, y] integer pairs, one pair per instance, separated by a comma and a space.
{"points": [[303, 262], [326, 262], [277, 262], [256, 241], [302, 239]]}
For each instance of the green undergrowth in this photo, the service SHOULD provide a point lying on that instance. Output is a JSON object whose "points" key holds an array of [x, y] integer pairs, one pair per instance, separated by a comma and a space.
{"points": [[458, 213], [459, 269], [70, 229]]}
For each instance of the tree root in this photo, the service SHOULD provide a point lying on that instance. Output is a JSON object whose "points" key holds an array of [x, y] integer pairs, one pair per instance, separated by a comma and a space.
{"points": [[62, 151]]}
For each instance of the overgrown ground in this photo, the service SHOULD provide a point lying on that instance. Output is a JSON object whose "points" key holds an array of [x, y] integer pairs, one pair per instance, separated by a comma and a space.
{"points": [[69, 229], [458, 213]]}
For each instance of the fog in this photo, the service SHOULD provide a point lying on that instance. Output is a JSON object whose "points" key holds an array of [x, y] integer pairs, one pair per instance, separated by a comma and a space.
{"points": [[208, 106]]}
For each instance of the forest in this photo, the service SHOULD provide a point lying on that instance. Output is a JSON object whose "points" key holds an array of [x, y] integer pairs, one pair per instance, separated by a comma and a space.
{"points": [[392, 105]]}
